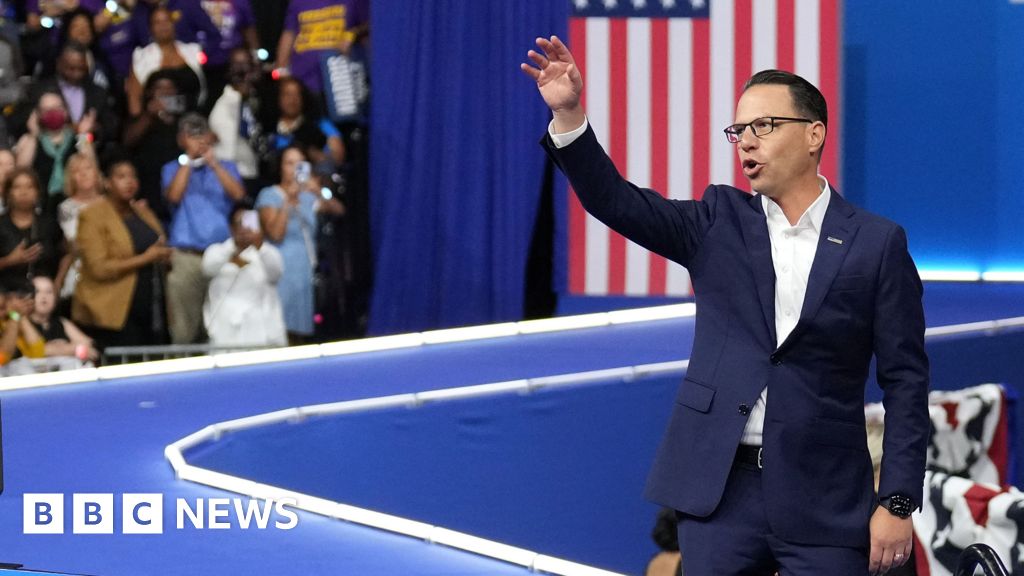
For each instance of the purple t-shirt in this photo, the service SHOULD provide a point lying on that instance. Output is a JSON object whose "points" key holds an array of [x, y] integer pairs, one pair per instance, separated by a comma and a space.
{"points": [[118, 41], [230, 17], [32, 7], [318, 26]]}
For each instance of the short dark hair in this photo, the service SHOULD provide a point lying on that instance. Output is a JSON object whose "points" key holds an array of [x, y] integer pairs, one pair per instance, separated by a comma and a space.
{"points": [[807, 99]]}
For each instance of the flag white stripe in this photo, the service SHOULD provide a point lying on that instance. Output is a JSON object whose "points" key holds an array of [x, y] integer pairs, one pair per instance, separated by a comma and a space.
{"points": [[638, 138], [598, 100], [680, 121], [806, 46], [765, 32], [722, 96]]}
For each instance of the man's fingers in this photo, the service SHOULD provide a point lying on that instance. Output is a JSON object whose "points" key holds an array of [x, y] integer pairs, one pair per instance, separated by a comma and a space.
{"points": [[550, 50], [530, 71], [539, 60], [875, 561]]}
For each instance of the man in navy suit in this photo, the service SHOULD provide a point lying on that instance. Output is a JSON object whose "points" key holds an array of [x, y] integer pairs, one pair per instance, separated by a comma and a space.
{"points": [[765, 458]]}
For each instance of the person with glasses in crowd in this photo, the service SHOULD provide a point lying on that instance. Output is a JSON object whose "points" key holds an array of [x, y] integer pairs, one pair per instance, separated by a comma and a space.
{"points": [[765, 457]]}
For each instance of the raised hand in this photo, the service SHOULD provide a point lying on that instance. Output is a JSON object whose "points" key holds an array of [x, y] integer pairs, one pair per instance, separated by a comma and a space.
{"points": [[558, 80]]}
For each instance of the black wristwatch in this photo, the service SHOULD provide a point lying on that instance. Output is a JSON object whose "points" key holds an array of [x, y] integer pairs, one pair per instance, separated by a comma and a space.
{"points": [[898, 505]]}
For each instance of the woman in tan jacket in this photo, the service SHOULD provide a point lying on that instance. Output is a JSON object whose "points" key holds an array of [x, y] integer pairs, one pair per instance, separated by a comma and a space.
{"points": [[119, 297]]}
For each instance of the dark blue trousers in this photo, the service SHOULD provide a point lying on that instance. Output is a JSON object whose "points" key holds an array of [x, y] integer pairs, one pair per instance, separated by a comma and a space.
{"points": [[736, 539]]}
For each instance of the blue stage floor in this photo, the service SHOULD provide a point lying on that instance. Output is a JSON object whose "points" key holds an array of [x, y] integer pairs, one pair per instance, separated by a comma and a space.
{"points": [[109, 438]]}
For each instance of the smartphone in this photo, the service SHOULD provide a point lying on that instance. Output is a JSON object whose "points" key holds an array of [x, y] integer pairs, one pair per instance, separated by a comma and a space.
{"points": [[302, 172], [173, 104], [251, 220]]}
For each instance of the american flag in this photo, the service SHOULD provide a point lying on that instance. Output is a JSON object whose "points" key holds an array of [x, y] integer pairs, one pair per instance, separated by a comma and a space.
{"points": [[661, 82]]}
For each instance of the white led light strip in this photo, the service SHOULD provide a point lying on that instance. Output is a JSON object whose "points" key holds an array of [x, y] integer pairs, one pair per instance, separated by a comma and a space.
{"points": [[422, 531], [414, 340]]}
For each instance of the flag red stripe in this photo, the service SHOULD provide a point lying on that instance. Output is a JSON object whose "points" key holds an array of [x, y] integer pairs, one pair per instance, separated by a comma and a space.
{"points": [[618, 139], [659, 136], [577, 250], [784, 16], [701, 171], [743, 56], [829, 86]]}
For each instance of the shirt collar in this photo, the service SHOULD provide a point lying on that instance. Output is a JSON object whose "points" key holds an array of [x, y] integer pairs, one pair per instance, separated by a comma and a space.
{"points": [[812, 217]]}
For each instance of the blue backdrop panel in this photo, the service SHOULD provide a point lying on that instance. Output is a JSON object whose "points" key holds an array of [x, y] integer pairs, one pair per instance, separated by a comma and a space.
{"points": [[930, 91], [456, 170], [558, 471]]}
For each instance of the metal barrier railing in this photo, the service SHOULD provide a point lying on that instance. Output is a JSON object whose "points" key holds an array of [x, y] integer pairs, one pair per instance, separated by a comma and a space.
{"points": [[126, 354], [980, 556]]}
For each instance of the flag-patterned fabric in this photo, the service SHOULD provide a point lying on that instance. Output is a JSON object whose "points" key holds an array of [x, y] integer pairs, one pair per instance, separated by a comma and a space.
{"points": [[661, 82], [970, 432]]}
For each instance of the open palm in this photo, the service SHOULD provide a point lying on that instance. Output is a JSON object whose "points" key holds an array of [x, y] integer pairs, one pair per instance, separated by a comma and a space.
{"points": [[558, 79]]}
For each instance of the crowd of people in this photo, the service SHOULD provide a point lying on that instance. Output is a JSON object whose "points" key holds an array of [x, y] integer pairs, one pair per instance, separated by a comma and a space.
{"points": [[165, 177]]}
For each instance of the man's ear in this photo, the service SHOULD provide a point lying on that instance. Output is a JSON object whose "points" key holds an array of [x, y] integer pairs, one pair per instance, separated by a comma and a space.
{"points": [[816, 137]]}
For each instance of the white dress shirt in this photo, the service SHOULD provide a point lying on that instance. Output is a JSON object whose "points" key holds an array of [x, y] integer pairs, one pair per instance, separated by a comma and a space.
{"points": [[793, 250]]}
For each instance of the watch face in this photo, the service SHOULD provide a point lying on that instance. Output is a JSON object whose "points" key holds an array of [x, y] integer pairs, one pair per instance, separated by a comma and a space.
{"points": [[900, 505]]}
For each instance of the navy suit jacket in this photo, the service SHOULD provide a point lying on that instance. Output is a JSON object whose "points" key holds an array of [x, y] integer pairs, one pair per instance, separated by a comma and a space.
{"points": [[863, 299]]}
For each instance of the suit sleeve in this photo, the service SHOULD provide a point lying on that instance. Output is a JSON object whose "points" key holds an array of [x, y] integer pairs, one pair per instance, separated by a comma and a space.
{"points": [[672, 228], [902, 370]]}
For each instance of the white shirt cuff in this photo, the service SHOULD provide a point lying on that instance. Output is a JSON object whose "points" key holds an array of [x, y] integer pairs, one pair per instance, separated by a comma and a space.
{"points": [[563, 140]]}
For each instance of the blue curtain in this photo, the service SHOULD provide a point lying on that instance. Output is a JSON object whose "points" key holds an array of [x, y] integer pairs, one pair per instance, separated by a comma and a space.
{"points": [[456, 170]]}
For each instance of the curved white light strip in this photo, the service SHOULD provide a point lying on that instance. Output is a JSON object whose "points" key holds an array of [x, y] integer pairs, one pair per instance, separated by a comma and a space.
{"points": [[434, 534], [414, 340]]}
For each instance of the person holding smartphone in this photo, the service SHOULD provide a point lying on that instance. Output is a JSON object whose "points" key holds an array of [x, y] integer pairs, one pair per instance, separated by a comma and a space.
{"points": [[288, 215], [243, 307]]}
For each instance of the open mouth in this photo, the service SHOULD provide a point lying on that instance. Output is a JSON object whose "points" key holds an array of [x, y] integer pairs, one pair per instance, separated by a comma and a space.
{"points": [[751, 168]]}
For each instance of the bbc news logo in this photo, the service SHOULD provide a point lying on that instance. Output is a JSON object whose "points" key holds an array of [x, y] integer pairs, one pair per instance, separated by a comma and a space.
{"points": [[144, 514]]}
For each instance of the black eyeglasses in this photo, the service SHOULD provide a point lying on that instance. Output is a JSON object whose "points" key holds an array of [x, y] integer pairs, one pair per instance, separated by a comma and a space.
{"points": [[760, 127]]}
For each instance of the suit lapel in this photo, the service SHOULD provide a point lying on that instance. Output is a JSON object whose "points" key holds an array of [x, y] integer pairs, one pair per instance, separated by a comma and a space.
{"points": [[759, 246], [838, 230]]}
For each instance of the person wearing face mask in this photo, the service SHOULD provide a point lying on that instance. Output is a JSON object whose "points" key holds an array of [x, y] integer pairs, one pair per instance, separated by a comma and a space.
{"points": [[52, 139], [235, 120], [90, 108]]}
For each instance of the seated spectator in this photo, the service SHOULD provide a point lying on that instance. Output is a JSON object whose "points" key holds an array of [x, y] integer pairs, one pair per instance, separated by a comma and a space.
{"points": [[165, 52], [7, 164], [235, 120], [298, 123], [243, 307], [201, 191], [49, 142], [60, 335], [82, 186], [288, 215], [90, 109], [30, 244], [18, 337], [119, 297], [151, 138]]}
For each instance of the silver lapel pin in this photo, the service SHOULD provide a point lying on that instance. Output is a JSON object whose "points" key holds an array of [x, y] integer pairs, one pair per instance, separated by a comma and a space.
{"points": [[835, 240]]}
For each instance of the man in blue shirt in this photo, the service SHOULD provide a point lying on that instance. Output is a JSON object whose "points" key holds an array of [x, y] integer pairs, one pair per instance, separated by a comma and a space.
{"points": [[201, 192]]}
